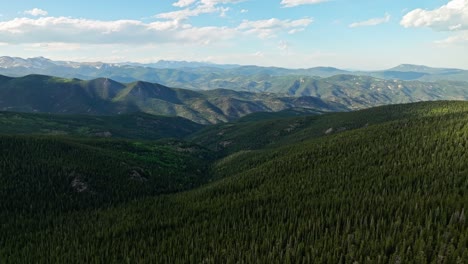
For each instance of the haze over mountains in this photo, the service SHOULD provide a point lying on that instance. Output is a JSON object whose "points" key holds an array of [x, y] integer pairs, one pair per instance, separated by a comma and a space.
{"points": [[217, 93], [102, 96], [201, 75], [38, 93]]}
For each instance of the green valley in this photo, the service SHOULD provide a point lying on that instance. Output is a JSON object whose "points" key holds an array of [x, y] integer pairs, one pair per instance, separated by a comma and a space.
{"points": [[234, 132], [381, 185]]}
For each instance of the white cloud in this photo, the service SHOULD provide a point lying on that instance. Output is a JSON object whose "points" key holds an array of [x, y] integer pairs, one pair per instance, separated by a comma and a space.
{"points": [[86, 31], [36, 12], [270, 27], [186, 13], [450, 17], [258, 54], [371, 22], [184, 3], [216, 2], [223, 11], [201, 7], [460, 38], [54, 46], [244, 11], [292, 3], [71, 30]]}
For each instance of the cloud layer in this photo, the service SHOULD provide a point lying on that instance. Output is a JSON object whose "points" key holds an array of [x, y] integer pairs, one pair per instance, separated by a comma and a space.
{"points": [[199, 7], [270, 27], [292, 3], [371, 22], [36, 12], [72, 30]]}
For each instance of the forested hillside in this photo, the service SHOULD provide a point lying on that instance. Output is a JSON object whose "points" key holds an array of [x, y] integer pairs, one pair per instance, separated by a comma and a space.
{"points": [[131, 126], [41, 174], [258, 130], [390, 188], [37, 93]]}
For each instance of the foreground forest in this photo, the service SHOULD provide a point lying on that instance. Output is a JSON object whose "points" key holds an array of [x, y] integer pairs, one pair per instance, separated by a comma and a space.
{"points": [[382, 185]]}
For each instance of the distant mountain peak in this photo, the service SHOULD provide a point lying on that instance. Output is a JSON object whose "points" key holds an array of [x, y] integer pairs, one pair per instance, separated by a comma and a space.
{"points": [[424, 69], [412, 67]]}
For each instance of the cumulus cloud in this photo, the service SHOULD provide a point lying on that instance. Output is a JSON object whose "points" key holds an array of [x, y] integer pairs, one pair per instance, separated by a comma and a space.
{"points": [[270, 27], [201, 7], [67, 33], [36, 12], [184, 3], [86, 31], [460, 38], [71, 30], [450, 17], [292, 3], [186, 13], [371, 22]]}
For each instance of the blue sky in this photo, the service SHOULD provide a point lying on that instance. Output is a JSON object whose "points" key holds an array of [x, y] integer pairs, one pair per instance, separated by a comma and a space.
{"points": [[351, 34]]}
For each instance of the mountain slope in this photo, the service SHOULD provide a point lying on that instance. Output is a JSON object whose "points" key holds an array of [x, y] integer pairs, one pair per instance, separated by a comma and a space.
{"points": [[37, 93], [362, 91], [47, 175], [130, 126], [389, 192], [275, 130]]}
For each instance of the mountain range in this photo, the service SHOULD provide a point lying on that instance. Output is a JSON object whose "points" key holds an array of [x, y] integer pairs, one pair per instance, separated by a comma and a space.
{"points": [[103, 96], [38, 93], [202, 75]]}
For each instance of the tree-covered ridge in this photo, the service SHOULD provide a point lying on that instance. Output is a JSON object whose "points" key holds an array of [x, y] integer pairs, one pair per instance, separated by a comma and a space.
{"points": [[257, 132], [40, 175], [130, 126], [394, 191], [251, 94], [46, 94]]}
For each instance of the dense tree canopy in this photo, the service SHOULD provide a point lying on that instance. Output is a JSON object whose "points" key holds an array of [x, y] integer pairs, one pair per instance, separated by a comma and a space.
{"points": [[391, 189]]}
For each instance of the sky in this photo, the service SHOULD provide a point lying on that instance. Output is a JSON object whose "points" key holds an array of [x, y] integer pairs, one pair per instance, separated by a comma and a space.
{"points": [[348, 34]]}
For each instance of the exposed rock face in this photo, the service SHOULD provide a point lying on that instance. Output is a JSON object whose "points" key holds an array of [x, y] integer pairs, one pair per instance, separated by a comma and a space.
{"points": [[105, 134], [77, 183], [225, 143], [137, 175]]}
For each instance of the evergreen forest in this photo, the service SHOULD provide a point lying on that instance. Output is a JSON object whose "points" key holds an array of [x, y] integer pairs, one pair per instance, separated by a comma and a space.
{"points": [[381, 185]]}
